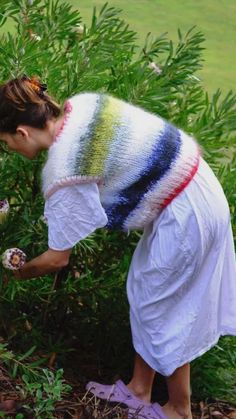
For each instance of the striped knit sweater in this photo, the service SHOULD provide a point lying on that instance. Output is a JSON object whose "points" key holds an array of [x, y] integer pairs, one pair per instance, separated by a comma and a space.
{"points": [[139, 161]]}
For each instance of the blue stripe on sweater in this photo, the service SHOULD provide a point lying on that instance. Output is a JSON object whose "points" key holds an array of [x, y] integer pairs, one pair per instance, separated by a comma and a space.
{"points": [[165, 151]]}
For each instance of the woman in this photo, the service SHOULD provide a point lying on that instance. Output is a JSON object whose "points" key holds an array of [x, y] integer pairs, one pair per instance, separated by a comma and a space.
{"points": [[113, 164]]}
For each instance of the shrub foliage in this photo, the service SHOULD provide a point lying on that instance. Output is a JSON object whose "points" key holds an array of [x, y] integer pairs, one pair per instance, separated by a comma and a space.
{"points": [[83, 308]]}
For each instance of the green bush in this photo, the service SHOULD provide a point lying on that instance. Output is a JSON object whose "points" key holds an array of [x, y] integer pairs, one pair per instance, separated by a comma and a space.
{"points": [[84, 309]]}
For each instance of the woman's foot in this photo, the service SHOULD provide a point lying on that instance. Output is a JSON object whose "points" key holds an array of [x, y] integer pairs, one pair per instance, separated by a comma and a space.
{"points": [[140, 392], [117, 392], [177, 412], [122, 394]]}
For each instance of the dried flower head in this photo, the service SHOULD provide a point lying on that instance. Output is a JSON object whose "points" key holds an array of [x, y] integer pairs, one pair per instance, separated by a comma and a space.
{"points": [[13, 259], [4, 210]]}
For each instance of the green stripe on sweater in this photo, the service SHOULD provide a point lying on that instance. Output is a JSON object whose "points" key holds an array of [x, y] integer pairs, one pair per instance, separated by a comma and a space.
{"points": [[104, 133]]}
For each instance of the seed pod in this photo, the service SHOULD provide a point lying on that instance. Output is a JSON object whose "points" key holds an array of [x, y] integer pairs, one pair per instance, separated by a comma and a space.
{"points": [[4, 210], [13, 259]]}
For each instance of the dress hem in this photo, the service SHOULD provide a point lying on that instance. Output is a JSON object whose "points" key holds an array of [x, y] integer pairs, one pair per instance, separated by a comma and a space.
{"points": [[142, 352]]}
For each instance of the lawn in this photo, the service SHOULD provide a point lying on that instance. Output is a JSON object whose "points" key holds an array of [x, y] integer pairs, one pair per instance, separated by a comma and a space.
{"points": [[215, 18]]}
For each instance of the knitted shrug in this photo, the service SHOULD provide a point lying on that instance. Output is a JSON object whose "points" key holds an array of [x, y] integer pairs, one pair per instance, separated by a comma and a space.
{"points": [[139, 161]]}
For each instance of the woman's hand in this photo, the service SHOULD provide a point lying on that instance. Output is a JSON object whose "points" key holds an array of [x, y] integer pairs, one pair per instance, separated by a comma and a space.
{"points": [[47, 262]]}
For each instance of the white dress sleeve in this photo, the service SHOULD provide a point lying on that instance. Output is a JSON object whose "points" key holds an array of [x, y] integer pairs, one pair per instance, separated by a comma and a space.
{"points": [[72, 213]]}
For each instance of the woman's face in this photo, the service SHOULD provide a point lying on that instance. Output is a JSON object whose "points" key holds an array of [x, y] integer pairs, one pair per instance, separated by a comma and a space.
{"points": [[20, 143], [29, 141]]}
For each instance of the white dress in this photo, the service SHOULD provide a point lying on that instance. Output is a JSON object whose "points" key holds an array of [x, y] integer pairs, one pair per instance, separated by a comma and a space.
{"points": [[182, 280]]}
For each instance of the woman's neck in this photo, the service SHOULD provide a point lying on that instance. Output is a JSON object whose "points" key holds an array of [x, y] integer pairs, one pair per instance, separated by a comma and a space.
{"points": [[53, 128]]}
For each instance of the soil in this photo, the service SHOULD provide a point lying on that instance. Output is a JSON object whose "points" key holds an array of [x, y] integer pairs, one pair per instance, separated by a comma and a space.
{"points": [[82, 405]]}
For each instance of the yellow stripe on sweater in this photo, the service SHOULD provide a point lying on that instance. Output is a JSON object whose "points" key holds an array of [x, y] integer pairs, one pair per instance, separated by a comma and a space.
{"points": [[105, 131]]}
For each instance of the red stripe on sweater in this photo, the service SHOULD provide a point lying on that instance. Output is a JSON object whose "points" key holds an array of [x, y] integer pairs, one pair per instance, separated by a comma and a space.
{"points": [[181, 186]]}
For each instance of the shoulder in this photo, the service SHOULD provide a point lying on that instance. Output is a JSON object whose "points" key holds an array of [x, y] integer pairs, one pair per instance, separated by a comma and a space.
{"points": [[86, 98]]}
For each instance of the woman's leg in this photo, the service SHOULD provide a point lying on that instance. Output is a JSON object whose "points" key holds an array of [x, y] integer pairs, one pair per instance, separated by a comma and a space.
{"points": [[179, 404], [179, 390], [142, 380]]}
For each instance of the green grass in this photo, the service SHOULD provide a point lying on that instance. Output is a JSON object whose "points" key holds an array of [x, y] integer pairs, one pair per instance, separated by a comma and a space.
{"points": [[215, 18]]}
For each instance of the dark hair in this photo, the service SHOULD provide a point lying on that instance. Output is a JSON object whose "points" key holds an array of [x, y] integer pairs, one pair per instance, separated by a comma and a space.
{"points": [[24, 101]]}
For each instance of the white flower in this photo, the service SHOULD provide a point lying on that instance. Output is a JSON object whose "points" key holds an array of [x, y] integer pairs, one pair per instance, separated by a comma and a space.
{"points": [[35, 37], [43, 219], [13, 258], [155, 67], [80, 29], [4, 210]]}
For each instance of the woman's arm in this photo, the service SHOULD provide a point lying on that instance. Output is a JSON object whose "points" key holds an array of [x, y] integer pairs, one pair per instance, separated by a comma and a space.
{"points": [[49, 261], [73, 212]]}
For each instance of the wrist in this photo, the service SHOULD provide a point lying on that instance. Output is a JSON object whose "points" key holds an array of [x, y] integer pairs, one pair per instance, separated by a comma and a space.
{"points": [[17, 274]]}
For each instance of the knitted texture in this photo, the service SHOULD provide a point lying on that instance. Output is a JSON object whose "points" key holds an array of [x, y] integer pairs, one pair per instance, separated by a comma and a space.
{"points": [[139, 161]]}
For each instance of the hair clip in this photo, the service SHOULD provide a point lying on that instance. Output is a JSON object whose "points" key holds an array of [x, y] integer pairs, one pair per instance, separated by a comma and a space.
{"points": [[39, 87]]}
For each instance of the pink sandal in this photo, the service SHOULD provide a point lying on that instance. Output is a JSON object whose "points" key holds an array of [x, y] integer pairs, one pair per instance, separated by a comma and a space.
{"points": [[119, 393]]}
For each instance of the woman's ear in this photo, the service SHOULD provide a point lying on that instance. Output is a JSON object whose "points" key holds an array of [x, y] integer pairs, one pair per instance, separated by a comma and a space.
{"points": [[22, 132]]}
